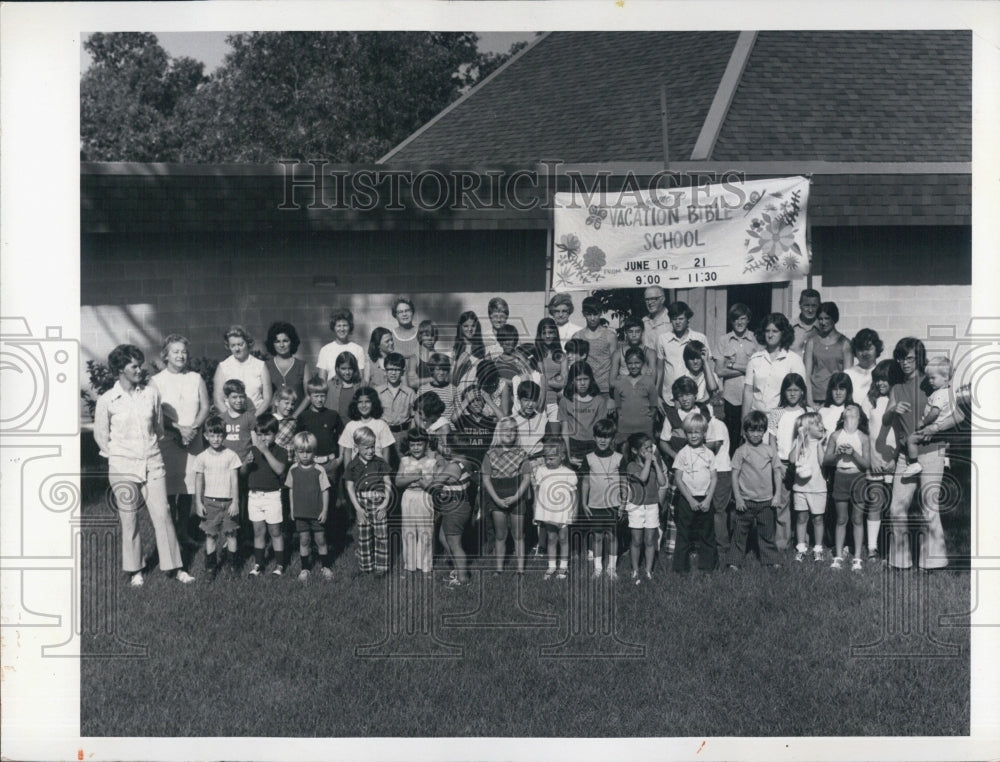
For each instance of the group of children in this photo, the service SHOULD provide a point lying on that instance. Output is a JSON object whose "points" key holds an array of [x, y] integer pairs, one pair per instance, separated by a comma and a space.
{"points": [[562, 433]]}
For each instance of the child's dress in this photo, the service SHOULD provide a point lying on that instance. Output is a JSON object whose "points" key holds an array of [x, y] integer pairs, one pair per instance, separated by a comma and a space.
{"points": [[418, 516], [555, 499], [506, 466]]}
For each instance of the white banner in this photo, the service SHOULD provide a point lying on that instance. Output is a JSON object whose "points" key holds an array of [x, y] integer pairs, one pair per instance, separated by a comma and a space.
{"points": [[710, 235]]}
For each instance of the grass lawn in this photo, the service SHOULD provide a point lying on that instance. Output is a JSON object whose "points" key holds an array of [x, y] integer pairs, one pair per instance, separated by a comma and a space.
{"points": [[760, 652]]}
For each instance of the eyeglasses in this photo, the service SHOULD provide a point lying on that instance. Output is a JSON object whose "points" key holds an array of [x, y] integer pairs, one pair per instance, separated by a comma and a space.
{"points": [[654, 299]]}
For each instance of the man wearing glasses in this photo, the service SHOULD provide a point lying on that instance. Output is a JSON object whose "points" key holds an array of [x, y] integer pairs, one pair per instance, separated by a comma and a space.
{"points": [[658, 322]]}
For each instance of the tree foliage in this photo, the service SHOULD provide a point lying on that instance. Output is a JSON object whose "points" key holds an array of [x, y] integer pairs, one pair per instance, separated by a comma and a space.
{"points": [[340, 96]]}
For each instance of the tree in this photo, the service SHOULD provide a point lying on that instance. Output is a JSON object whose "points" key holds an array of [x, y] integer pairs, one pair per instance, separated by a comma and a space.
{"points": [[128, 98], [340, 96]]}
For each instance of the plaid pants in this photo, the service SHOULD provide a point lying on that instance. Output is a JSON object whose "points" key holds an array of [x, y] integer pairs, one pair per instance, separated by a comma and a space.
{"points": [[667, 522], [373, 543]]}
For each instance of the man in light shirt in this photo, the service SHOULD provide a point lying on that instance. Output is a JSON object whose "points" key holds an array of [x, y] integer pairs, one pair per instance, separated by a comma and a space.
{"points": [[670, 349]]}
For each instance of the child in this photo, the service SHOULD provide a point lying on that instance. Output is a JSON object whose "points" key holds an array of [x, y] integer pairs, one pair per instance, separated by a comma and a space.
{"points": [[473, 429], [341, 387], [555, 504], [450, 490], [380, 344], [531, 422], [602, 340], [506, 478], [369, 488], [601, 493], [324, 424], [809, 488], [757, 474], [577, 350], [646, 477], [866, 346], [696, 367], [552, 364], [633, 332], [839, 393], [240, 419], [416, 472], [497, 310], [283, 407], [428, 413], [672, 436], [781, 433], [635, 397], [267, 465], [396, 398], [495, 389], [694, 473], [309, 497], [882, 451], [848, 449], [215, 493], [420, 372], [508, 364], [468, 348], [939, 414], [366, 411], [581, 406], [440, 383], [527, 361], [342, 325]]}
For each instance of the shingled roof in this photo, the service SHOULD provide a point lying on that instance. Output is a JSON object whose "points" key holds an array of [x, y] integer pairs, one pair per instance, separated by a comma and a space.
{"points": [[887, 96]]}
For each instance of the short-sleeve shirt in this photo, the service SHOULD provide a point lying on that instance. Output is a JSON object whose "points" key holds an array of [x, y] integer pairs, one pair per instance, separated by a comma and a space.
{"points": [[383, 437], [765, 374], [530, 432], [642, 492], [604, 479], [328, 355], [670, 349], [217, 466], [739, 350], [578, 416], [307, 484], [238, 431], [602, 341], [673, 425], [785, 432], [260, 475], [941, 399], [397, 404], [445, 393], [753, 468], [696, 465], [368, 478], [653, 328], [802, 335], [636, 401], [326, 425], [861, 381]]}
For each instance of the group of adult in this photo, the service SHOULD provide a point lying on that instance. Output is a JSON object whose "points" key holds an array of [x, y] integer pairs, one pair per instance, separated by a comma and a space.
{"points": [[151, 434]]}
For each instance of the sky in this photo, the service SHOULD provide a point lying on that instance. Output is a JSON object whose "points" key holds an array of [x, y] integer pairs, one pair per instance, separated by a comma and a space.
{"points": [[210, 47]]}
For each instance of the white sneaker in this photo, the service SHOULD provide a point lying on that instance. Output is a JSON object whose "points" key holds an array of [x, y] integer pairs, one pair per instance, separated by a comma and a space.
{"points": [[598, 573], [612, 574], [856, 565], [183, 577], [912, 469], [303, 575], [817, 553], [800, 552], [327, 572], [255, 571], [137, 580], [838, 563]]}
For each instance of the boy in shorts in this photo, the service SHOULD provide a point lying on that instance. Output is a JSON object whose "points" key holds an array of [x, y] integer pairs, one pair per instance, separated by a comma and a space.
{"points": [[309, 497], [264, 472], [215, 494]]}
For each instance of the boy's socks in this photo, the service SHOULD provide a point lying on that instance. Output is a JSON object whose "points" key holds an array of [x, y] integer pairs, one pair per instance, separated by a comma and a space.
{"points": [[306, 562], [324, 559], [598, 564], [258, 555]]}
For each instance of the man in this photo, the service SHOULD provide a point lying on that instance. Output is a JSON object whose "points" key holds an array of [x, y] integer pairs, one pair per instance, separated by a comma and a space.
{"points": [[658, 322], [805, 328]]}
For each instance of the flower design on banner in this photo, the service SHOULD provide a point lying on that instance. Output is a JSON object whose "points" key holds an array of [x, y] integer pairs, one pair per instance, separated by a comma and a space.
{"points": [[569, 245], [775, 238], [594, 259], [596, 216], [775, 247]]}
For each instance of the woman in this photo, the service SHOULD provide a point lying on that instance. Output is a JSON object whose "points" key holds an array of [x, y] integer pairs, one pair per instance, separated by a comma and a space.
{"points": [[768, 367], [128, 425], [404, 335], [827, 352], [244, 367], [284, 369], [731, 357], [467, 350], [380, 345], [185, 406], [560, 308], [907, 400]]}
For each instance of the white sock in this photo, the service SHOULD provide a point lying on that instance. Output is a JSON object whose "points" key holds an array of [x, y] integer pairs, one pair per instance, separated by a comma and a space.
{"points": [[873, 526], [552, 564], [564, 564], [598, 564], [612, 562]]}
